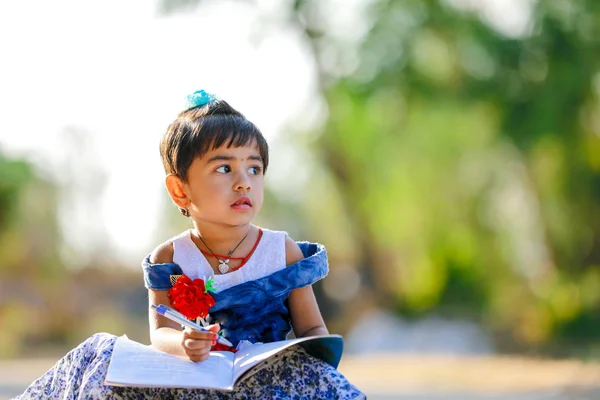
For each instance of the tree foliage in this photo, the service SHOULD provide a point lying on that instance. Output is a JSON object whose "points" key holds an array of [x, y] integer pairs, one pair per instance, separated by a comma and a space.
{"points": [[470, 159]]}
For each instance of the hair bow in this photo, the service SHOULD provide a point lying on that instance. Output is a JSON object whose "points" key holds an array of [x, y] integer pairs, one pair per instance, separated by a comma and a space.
{"points": [[199, 98]]}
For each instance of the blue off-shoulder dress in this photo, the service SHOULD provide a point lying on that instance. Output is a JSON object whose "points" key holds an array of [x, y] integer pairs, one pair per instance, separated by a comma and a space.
{"points": [[255, 310]]}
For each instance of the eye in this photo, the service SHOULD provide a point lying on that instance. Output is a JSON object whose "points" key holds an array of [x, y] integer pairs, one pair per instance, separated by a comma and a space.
{"points": [[256, 170], [224, 169]]}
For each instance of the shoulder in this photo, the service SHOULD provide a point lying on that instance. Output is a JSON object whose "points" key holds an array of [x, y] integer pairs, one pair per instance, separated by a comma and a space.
{"points": [[158, 267], [292, 251], [293, 254], [298, 251], [162, 254]]}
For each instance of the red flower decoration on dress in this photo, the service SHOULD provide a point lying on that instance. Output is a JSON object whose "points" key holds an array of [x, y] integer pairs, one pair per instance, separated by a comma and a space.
{"points": [[191, 298]]}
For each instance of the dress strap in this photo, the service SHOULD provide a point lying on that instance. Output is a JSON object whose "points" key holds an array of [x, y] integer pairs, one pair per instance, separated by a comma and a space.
{"points": [[158, 276], [307, 271]]}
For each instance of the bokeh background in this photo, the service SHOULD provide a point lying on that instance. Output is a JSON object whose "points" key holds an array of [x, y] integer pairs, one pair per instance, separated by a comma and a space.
{"points": [[447, 153]]}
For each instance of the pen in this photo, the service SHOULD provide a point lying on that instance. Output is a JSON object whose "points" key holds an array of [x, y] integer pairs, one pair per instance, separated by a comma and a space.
{"points": [[175, 316]]}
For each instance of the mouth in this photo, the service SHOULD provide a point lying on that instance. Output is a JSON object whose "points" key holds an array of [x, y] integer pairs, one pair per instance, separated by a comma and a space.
{"points": [[242, 202]]}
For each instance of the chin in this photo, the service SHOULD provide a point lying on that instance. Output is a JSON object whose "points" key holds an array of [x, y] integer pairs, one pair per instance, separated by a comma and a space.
{"points": [[241, 221]]}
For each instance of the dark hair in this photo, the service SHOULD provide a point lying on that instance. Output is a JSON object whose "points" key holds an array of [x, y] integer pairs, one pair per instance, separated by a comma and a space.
{"points": [[201, 129]]}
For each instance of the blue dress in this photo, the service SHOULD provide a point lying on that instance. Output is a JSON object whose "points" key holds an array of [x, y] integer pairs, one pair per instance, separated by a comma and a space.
{"points": [[255, 310]]}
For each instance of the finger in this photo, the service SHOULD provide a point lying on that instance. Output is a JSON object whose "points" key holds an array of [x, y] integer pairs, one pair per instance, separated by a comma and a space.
{"points": [[192, 334], [195, 344], [197, 352], [215, 328], [198, 355]]}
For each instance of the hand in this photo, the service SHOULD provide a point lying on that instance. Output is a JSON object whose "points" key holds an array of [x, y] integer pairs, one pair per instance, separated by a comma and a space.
{"points": [[196, 345]]}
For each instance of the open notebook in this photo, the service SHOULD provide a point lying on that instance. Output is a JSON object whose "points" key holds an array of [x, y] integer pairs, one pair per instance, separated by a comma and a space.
{"points": [[135, 364]]}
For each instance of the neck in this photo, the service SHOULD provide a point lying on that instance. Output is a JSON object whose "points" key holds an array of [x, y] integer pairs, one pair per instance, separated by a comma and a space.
{"points": [[221, 240]]}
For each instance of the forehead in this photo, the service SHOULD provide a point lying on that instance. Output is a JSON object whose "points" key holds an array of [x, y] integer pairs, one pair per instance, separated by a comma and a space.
{"points": [[249, 151]]}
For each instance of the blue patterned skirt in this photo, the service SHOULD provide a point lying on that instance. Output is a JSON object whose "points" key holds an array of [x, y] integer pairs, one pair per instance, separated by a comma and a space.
{"points": [[294, 375]]}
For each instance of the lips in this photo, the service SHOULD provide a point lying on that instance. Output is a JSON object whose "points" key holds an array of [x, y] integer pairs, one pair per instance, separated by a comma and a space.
{"points": [[242, 202]]}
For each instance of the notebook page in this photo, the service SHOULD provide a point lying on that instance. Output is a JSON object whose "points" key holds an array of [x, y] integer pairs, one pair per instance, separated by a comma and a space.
{"points": [[135, 364], [252, 355], [329, 349]]}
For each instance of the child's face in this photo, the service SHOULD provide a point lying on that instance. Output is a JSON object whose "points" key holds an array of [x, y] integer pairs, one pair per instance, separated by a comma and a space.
{"points": [[225, 185]]}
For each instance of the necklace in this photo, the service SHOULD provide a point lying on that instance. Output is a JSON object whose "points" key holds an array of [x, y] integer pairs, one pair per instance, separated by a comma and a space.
{"points": [[223, 263]]}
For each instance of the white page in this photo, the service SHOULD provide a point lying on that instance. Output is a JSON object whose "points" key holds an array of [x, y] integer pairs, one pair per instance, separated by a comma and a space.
{"points": [[134, 364], [254, 354]]}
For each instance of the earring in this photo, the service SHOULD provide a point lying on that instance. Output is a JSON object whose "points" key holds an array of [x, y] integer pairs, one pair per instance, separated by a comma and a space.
{"points": [[184, 212]]}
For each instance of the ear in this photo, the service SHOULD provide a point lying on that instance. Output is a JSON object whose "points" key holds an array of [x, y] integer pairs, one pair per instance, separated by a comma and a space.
{"points": [[175, 187]]}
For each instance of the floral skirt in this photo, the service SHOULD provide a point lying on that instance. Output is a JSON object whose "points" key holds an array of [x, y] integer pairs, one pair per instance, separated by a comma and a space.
{"points": [[295, 375]]}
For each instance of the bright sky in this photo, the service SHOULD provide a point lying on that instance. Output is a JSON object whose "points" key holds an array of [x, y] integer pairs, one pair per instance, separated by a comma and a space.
{"points": [[119, 72]]}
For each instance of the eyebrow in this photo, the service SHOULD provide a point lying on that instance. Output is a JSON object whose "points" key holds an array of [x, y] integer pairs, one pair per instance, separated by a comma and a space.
{"points": [[230, 158]]}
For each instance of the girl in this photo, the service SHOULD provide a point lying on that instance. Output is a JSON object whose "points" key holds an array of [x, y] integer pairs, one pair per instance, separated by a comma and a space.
{"points": [[215, 161]]}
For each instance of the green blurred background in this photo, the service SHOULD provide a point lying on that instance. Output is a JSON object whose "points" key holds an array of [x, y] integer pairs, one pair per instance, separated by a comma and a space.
{"points": [[453, 173]]}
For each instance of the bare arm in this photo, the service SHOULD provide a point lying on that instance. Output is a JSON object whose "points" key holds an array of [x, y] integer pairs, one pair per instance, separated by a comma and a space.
{"points": [[166, 335], [304, 310]]}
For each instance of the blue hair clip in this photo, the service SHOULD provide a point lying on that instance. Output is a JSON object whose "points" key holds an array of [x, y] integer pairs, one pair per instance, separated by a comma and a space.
{"points": [[199, 98]]}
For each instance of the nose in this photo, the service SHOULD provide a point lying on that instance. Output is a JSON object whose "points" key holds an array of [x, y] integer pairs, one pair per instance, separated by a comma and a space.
{"points": [[242, 183]]}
